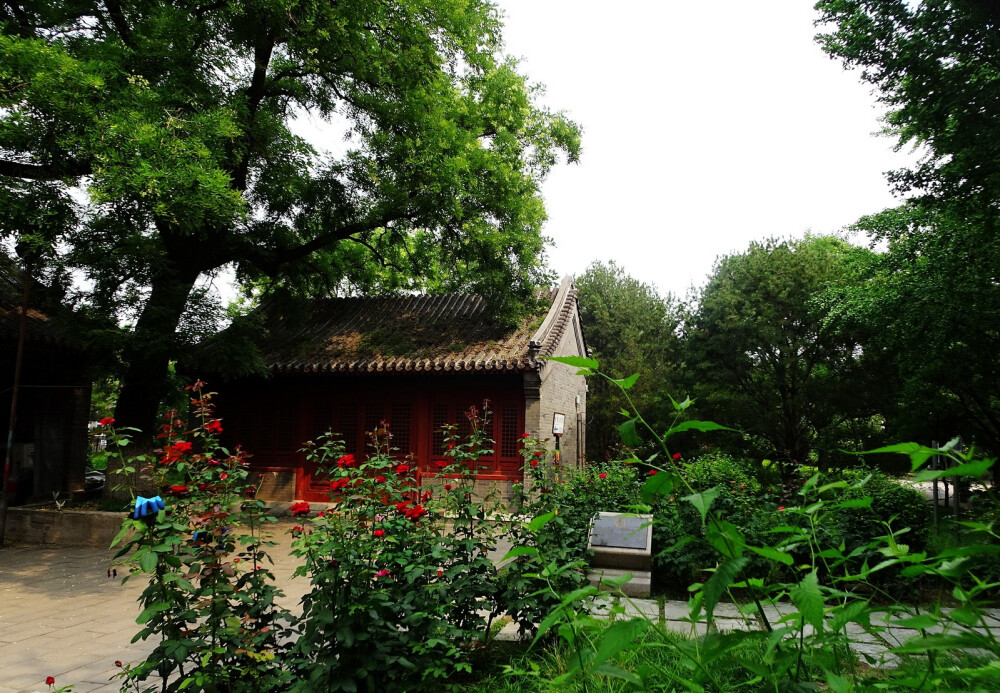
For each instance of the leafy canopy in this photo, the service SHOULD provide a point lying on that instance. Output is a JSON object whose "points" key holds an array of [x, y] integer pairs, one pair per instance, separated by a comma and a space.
{"points": [[160, 141], [936, 65], [764, 358]]}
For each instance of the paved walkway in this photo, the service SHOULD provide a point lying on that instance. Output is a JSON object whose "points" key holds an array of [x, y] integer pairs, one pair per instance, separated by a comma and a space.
{"points": [[61, 616]]}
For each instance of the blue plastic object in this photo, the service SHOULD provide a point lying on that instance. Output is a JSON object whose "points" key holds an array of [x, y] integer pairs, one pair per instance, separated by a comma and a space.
{"points": [[145, 507]]}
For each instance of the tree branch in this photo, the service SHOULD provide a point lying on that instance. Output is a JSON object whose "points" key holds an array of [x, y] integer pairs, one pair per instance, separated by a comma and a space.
{"points": [[119, 22], [255, 93], [65, 169]]}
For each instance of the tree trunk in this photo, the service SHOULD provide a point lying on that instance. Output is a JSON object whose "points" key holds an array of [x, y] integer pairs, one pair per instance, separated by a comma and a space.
{"points": [[149, 351]]}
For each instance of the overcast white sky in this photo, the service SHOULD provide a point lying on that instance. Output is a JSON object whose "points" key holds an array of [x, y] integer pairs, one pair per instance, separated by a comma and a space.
{"points": [[706, 126]]}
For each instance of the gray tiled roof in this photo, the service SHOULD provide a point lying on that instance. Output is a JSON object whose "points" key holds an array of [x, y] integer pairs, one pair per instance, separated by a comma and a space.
{"points": [[449, 332]]}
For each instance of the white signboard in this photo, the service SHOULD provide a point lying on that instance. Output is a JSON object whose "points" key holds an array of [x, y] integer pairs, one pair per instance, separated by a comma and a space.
{"points": [[558, 424]]}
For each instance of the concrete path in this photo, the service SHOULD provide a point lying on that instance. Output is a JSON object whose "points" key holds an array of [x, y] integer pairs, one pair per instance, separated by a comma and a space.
{"points": [[61, 616]]}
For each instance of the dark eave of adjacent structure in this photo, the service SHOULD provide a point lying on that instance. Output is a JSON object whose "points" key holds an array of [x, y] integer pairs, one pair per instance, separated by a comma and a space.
{"points": [[40, 327]]}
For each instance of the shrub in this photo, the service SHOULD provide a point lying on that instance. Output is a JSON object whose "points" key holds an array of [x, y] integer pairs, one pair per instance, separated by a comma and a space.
{"points": [[209, 603], [396, 601], [683, 554], [893, 505]]}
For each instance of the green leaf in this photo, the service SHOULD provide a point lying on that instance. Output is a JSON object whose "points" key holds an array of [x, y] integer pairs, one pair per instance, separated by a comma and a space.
{"points": [[945, 642], [149, 611], [657, 485], [628, 433], [918, 622], [865, 502], [837, 683], [607, 669], [616, 581], [703, 501], [616, 638], [126, 526], [918, 453], [626, 383], [772, 553], [147, 562], [693, 425], [808, 599], [974, 469], [681, 406], [540, 521], [719, 582], [521, 551], [726, 538], [575, 361], [579, 594]]}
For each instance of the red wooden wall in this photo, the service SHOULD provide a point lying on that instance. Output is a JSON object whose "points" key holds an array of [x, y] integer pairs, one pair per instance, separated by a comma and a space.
{"points": [[273, 418]]}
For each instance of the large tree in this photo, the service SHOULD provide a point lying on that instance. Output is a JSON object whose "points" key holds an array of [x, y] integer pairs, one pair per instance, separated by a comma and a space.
{"points": [[159, 140], [928, 307], [929, 301], [631, 329], [764, 357], [936, 65]]}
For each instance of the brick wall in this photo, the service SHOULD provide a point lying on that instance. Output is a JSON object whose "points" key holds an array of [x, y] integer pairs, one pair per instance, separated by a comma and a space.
{"points": [[557, 388]]}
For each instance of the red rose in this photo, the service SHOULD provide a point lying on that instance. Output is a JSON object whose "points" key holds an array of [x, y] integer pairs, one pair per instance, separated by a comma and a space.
{"points": [[415, 513], [402, 468], [538, 453], [440, 464], [223, 476], [214, 426], [106, 421], [174, 452], [534, 463], [602, 476], [652, 472], [525, 435], [447, 487], [346, 461], [379, 533], [118, 663], [677, 456], [380, 479], [50, 680]]}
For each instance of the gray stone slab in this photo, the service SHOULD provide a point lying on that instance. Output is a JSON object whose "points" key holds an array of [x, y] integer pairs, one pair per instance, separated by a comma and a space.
{"points": [[621, 531]]}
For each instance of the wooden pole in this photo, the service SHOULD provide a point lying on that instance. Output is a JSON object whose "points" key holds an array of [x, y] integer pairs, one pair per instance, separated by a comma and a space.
{"points": [[22, 329]]}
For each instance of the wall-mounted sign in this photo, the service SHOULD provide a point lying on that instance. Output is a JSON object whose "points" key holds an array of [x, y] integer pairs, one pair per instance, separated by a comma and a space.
{"points": [[558, 424]]}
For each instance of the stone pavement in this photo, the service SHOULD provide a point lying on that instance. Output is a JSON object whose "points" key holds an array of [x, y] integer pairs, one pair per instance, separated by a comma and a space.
{"points": [[61, 616]]}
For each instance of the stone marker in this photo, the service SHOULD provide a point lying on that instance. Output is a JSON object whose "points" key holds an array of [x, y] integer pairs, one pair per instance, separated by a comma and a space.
{"points": [[622, 543]]}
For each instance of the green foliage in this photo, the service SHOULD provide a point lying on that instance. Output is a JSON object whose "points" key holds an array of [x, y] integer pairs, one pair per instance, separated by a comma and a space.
{"points": [[928, 309], [650, 655], [396, 601], [550, 551], [210, 600], [936, 279], [805, 644], [762, 356], [631, 329], [935, 65], [176, 121]]}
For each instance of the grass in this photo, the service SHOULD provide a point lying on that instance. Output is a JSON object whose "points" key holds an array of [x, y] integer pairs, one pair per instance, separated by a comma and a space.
{"points": [[653, 656]]}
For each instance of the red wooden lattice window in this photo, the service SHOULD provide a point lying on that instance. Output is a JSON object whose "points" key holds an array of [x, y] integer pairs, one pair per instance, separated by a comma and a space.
{"points": [[504, 429]]}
